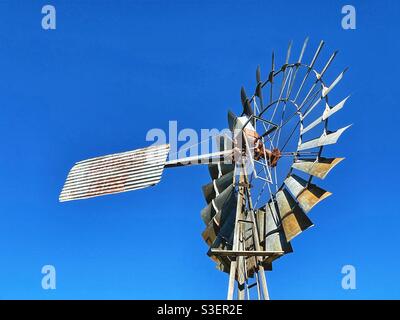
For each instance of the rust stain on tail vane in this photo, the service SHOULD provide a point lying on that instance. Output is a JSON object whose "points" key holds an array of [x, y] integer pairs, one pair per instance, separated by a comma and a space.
{"points": [[115, 173]]}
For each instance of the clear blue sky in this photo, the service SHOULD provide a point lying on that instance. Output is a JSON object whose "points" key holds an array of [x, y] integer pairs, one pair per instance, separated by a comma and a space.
{"points": [[115, 69]]}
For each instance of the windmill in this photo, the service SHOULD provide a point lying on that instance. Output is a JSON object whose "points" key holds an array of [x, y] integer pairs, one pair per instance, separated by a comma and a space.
{"points": [[262, 173]]}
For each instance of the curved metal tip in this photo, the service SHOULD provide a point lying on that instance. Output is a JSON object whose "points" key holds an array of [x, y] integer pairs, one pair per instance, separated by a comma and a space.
{"points": [[258, 74], [243, 96], [231, 120]]}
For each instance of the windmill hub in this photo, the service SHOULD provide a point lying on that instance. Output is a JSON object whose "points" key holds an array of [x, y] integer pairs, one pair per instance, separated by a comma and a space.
{"points": [[260, 151], [253, 142]]}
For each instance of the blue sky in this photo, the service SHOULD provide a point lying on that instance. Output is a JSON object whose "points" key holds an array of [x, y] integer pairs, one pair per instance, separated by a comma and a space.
{"points": [[115, 69]]}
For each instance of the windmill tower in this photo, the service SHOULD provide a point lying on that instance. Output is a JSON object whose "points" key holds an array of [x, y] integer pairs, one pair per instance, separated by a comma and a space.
{"points": [[262, 174]]}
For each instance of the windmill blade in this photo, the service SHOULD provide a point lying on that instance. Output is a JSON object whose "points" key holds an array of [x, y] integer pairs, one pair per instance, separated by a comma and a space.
{"points": [[223, 263], [247, 110], [258, 74], [307, 195], [317, 167], [272, 237], [221, 225], [324, 139], [294, 220], [115, 173], [214, 188], [224, 236], [271, 77], [303, 49], [244, 99], [223, 200], [320, 75], [231, 120], [314, 59], [326, 90], [326, 114], [258, 92], [220, 169], [220, 213], [292, 80], [289, 50]]}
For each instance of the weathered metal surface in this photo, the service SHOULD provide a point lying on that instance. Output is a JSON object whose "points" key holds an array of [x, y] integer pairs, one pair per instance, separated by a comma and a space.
{"points": [[329, 111], [220, 244], [220, 169], [326, 90], [115, 173], [215, 187], [273, 237], [220, 226], [307, 195], [219, 215], [245, 103], [294, 220], [323, 140], [248, 244], [210, 233], [311, 196], [260, 221], [243, 123], [318, 167], [224, 200], [295, 184], [231, 120]]}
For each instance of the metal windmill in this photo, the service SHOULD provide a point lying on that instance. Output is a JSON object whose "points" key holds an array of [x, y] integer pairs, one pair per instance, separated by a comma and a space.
{"points": [[262, 173]]}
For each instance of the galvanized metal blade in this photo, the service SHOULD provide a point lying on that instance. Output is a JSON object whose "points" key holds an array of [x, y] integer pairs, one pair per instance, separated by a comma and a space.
{"points": [[246, 103], [288, 52], [217, 186], [324, 139], [326, 114], [231, 120], [258, 92], [220, 169], [303, 49], [224, 199], [317, 167], [326, 90], [307, 195], [224, 223], [271, 235], [294, 220]]}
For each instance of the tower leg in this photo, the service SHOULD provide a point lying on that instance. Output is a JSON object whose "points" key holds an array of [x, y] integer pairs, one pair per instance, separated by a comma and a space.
{"points": [[241, 278], [236, 236], [256, 241]]}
